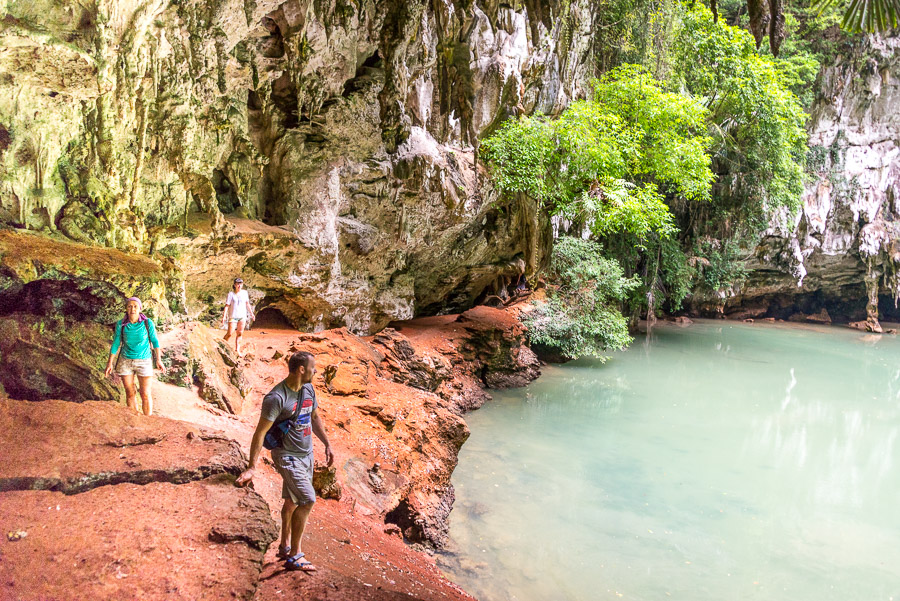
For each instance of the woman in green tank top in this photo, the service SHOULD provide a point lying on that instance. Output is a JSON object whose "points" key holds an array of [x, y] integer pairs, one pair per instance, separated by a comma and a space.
{"points": [[135, 350]]}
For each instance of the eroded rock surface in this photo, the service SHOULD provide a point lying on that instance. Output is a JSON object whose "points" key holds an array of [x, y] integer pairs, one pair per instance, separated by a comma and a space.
{"points": [[48, 277], [352, 128], [840, 252], [199, 540], [118, 505], [74, 447], [195, 354]]}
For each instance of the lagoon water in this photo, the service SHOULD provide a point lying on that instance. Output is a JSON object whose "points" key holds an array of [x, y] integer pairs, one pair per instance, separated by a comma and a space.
{"points": [[723, 461]]}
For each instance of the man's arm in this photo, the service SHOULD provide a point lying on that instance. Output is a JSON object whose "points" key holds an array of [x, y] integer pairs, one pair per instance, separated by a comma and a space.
{"points": [[255, 447], [319, 430]]}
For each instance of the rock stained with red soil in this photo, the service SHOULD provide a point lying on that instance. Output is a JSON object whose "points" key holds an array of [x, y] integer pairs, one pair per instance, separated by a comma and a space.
{"points": [[120, 506], [147, 506]]}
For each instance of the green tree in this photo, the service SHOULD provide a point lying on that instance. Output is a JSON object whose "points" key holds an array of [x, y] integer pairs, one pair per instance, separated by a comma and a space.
{"points": [[756, 122], [609, 162]]}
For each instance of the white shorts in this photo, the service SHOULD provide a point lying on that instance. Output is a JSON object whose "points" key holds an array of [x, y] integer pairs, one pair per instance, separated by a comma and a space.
{"points": [[138, 367]]}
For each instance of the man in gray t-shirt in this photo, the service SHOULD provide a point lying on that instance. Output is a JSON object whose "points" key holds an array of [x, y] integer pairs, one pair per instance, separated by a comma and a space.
{"points": [[282, 403], [293, 400]]}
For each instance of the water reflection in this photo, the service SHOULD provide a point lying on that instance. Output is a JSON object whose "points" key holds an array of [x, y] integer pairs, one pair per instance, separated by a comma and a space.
{"points": [[706, 463]]}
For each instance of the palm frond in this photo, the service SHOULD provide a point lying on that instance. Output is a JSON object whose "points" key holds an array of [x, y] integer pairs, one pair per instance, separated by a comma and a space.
{"points": [[867, 15]]}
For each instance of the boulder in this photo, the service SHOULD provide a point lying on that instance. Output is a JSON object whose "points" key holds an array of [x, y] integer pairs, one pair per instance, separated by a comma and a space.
{"points": [[47, 277], [497, 344], [426, 371], [45, 357]]}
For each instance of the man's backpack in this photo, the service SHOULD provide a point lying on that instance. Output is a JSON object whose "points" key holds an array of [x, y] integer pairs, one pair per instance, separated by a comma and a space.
{"points": [[275, 436]]}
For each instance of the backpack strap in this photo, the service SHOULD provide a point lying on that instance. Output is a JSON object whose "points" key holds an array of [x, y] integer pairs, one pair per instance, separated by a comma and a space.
{"points": [[146, 321]]}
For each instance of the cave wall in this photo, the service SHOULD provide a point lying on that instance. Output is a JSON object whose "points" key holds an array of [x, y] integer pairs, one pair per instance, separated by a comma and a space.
{"points": [[841, 249], [352, 125]]}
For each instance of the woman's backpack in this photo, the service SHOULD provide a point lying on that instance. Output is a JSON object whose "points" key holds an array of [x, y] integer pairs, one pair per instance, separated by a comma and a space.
{"points": [[143, 318]]}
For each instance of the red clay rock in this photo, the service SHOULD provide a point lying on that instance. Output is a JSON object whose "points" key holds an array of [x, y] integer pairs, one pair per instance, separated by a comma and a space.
{"points": [[425, 371], [496, 342], [73, 447], [118, 505], [200, 540]]}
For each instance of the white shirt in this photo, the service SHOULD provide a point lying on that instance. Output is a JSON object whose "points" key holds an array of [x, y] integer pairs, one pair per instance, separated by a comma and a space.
{"points": [[239, 303]]}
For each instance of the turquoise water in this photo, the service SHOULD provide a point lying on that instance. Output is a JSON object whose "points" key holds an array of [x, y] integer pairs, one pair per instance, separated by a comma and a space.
{"points": [[723, 461]]}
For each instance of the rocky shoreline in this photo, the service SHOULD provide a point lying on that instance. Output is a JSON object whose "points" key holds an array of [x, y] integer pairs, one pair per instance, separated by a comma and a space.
{"points": [[393, 404]]}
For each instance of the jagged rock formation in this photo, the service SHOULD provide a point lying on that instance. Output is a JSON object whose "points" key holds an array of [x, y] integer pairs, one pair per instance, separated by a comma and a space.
{"points": [[194, 354], [353, 125], [840, 253], [72, 483], [396, 402], [58, 301]]}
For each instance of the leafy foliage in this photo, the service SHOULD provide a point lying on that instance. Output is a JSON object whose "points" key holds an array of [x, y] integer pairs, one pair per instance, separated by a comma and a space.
{"points": [[609, 161], [718, 263], [756, 121], [582, 315], [867, 15]]}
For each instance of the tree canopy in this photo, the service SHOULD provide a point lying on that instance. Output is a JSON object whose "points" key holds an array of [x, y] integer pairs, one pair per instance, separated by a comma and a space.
{"points": [[611, 160]]}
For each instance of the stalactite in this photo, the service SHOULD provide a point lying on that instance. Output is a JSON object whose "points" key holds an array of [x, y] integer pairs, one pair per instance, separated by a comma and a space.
{"points": [[758, 11], [871, 279], [141, 108]]}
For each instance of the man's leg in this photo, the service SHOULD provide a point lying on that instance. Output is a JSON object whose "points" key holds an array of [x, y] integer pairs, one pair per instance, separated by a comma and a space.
{"points": [[128, 382], [237, 340], [298, 525], [146, 383], [287, 511]]}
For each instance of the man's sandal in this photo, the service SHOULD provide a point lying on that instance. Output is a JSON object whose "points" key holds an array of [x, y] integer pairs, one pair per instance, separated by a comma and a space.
{"points": [[294, 563], [283, 552]]}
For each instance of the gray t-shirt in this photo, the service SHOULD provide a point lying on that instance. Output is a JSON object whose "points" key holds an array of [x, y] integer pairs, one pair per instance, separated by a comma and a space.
{"points": [[280, 404]]}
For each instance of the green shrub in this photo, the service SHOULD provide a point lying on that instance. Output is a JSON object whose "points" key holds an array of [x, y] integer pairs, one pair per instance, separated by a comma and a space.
{"points": [[582, 315]]}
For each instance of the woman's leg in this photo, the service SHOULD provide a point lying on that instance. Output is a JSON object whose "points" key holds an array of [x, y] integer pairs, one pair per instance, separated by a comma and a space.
{"points": [[230, 330], [128, 382], [146, 393], [237, 339]]}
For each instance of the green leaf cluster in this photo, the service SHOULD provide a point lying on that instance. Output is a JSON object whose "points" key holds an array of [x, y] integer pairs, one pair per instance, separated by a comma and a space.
{"points": [[581, 315], [609, 162], [757, 123]]}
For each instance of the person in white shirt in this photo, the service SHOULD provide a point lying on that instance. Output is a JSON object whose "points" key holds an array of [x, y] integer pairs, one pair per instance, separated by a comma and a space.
{"points": [[237, 310]]}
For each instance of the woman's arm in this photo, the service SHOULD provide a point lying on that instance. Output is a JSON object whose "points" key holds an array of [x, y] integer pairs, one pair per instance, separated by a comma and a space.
{"points": [[154, 346], [114, 350], [225, 312]]}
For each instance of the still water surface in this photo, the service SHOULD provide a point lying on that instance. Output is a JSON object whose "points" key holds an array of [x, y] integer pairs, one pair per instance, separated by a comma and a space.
{"points": [[723, 461]]}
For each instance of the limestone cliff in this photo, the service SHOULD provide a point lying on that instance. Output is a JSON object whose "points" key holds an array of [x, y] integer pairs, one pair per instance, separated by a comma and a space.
{"points": [[840, 252], [350, 126]]}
